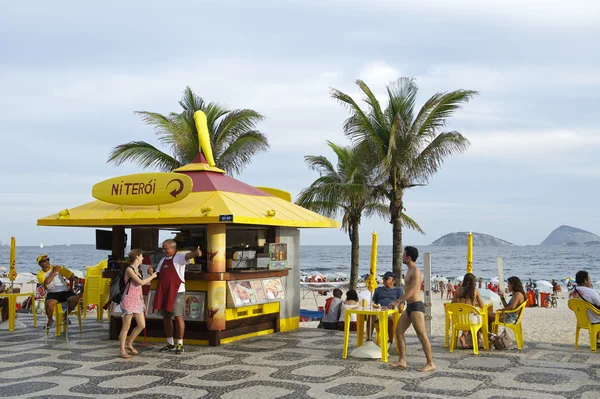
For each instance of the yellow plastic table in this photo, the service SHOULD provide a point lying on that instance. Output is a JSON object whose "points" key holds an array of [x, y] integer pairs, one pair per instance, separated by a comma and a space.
{"points": [[381, 314], [12, 307]]}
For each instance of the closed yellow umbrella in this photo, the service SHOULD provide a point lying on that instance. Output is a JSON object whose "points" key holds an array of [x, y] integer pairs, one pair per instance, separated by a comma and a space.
{"points": [[371, 282], [470, 253], [12, 274]]}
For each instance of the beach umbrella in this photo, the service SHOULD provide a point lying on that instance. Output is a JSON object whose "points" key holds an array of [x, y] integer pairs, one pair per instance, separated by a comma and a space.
{"points": [[78, 273], [437, 279], [372, 279], [460, 278], [491, 296], [470, 253], [12, 274], [2, 268], [544, 286], [568, 279], [495, 280]]}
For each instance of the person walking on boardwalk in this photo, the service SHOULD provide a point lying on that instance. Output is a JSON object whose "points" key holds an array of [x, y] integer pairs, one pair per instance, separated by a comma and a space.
{"points": [[170, 292], [132, 302], [414, 313]]}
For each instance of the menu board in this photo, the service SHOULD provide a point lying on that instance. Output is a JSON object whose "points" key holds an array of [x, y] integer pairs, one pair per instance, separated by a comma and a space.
{"points": [[251, 292]]}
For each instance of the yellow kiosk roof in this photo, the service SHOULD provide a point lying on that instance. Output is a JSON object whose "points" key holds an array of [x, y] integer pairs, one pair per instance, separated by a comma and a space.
{"points": [[213, 198]]}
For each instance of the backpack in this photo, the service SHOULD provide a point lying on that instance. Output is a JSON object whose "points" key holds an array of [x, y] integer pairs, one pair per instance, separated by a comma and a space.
{"points": [[118, 286]]}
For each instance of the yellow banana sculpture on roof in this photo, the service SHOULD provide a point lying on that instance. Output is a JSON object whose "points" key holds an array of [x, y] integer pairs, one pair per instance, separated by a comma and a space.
{"points": [[203, 137]]}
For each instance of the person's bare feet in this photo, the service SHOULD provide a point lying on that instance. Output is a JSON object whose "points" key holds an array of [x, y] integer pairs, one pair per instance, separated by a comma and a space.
{"points": [[427, 368], [131, 349], [463, 342], [398, 365], [125, 355]]}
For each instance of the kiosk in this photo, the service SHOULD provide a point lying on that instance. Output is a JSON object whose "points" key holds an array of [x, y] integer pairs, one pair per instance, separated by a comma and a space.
{"points": [[246, 283]]}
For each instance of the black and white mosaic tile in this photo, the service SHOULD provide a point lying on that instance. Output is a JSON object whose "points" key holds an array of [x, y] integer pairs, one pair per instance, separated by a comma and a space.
{"points": [[301, 364]]}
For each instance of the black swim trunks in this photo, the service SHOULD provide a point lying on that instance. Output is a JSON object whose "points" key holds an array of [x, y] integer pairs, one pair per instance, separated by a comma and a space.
{"points": [[415, 307]]}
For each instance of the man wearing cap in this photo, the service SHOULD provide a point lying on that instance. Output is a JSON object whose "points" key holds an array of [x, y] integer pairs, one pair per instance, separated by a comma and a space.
{"points": [[57, 290], [384, 296]]}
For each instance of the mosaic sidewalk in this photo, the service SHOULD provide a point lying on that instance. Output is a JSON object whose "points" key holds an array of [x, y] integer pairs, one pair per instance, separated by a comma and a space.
{"points": [[301, 364]]}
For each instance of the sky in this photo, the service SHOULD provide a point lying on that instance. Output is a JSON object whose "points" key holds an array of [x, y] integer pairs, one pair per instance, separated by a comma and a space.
{"points": [[72, 74]]}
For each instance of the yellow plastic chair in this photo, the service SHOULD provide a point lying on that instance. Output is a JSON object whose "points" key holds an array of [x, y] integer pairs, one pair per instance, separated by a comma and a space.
{"points": [[93, 291], [448, 330], [581, 307], [59, 315], [461, 320], [515, 327]]}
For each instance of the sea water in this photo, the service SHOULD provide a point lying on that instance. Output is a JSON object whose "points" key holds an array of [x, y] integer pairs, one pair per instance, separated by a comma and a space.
{"points": [[536, 262]]}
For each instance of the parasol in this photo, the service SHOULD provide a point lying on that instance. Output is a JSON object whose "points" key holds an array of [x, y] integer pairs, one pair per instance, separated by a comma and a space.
{"points": [[372, 279], [544, 286], [470, 253], [12, 274], [369, 349]]}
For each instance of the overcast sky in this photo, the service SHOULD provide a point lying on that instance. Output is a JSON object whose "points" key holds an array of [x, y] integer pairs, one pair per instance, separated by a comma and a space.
{"points": [[72, 75]]}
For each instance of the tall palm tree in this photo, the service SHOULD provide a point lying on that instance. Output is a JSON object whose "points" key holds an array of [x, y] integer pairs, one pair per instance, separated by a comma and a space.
{"points": [[233, 137], [349, 191], [409, 146]]}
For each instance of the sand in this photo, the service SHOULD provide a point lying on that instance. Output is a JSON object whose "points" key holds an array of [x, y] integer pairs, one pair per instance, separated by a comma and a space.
{"points": [[552, 325]]}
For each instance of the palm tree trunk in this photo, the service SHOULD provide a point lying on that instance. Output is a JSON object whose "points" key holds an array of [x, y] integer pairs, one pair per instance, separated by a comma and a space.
{"points": [[354, 254], [396, 207]]}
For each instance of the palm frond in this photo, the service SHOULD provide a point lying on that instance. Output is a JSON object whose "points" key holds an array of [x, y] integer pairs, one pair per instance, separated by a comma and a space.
{"points": [[144, 155], [410, 223], [436, 111], [239, 153], [432, 156]]}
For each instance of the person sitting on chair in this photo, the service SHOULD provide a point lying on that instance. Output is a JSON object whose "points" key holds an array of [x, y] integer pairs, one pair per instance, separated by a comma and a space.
{"points": [[518, 297], [56, 288], [384, 296], [469, 295], [585, 291], [3, 303], [332, 311]]}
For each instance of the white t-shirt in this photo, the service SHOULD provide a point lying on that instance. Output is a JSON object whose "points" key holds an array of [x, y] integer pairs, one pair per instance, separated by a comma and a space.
{"points": [[343, 312], [590, 295], [179, 262], [58, 283]]}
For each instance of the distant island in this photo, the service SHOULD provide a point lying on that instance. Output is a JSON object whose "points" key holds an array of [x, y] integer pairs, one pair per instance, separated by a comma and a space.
{"points": [[479, 239], [571, 236]]}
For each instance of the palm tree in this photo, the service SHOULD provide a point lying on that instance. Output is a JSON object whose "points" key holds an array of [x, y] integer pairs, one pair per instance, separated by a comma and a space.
{"points": [[351, 190], [409, 147], [233, 137]]}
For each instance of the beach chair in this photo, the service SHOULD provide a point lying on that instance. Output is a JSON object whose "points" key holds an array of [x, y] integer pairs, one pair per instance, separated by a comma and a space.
{"points": [[94, 289], [515, 327], [448, 329], [61, 320], [460, 314], [581, 307]]}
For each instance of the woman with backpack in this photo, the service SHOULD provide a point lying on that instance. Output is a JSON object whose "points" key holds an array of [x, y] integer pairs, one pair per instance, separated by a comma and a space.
{"points": [[132, 302]]}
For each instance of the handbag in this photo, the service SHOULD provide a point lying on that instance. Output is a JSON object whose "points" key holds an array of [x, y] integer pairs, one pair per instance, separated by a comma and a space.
{"points": [[502, 341]]}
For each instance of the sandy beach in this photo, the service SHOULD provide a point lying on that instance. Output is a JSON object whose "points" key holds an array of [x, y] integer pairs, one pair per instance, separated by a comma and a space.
{"points": [[540, 325]]}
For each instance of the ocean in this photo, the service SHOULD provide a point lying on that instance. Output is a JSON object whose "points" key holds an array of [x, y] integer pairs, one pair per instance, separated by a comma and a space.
{"points": [[536, 262]]}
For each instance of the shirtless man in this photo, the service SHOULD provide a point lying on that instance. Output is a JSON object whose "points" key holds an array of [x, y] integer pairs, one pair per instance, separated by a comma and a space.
{"points": [[414, 313]]}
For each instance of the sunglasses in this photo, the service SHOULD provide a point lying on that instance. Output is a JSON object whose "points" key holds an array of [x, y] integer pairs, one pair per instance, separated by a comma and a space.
{"points": [[45, 260]]}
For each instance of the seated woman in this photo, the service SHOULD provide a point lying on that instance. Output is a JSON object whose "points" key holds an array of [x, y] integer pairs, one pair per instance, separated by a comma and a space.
{"points": [[469, 295], [518, 297], [350, 302]]}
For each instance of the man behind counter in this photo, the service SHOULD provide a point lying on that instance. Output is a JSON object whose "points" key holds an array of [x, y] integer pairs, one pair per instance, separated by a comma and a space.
{"points": [[170, 292]]}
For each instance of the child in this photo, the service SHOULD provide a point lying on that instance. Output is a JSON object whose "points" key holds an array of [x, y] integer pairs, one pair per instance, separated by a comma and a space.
{"points": [[332, 311]]}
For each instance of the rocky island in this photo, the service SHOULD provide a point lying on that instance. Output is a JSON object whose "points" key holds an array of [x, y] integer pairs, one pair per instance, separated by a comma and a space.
{"points": [[571, 236], [479, 239]]}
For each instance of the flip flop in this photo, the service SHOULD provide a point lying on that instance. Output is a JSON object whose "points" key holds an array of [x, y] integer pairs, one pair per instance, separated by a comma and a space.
{"points": [[125, 355], [132, 350]]}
